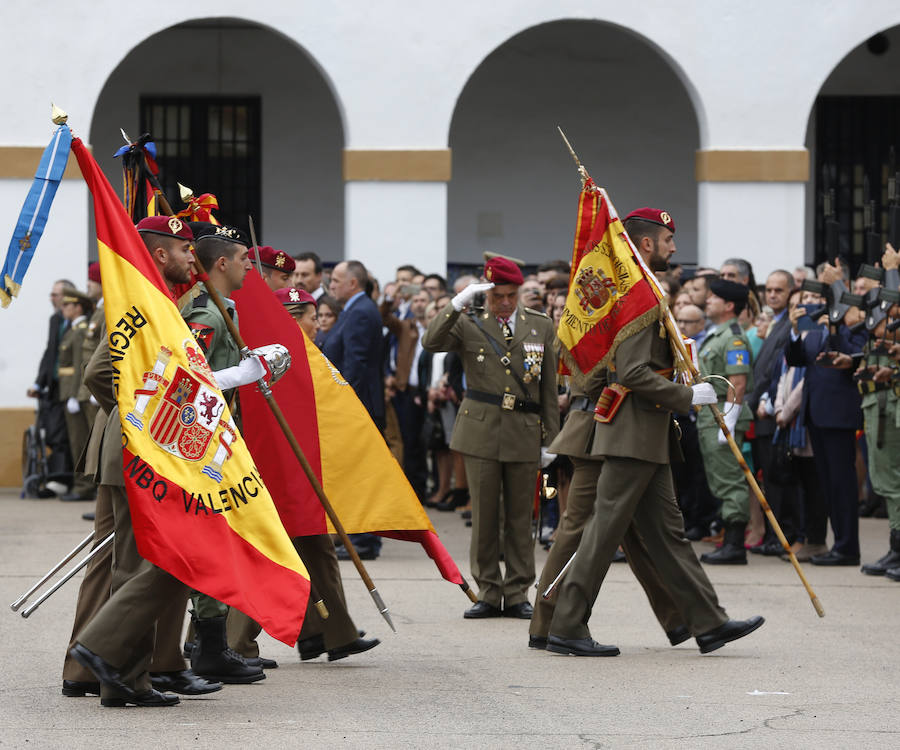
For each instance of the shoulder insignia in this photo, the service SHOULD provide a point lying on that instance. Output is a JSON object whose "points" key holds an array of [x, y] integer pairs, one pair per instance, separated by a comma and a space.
{"points": [[537, 312], [200, 300], [203, 334], [736, 329], [738, 342], [737, 357], [82, 325]]}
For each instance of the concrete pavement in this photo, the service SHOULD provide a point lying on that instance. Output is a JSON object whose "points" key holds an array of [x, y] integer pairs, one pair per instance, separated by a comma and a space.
{"points": [[445, 682]]}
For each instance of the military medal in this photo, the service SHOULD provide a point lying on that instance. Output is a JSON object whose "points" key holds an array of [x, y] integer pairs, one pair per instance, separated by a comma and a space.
{"points": [[534, 357]]}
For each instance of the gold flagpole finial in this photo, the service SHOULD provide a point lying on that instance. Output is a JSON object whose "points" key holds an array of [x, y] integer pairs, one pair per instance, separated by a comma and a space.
{"points": [[57, 115], [185, 192], [582, 172]]}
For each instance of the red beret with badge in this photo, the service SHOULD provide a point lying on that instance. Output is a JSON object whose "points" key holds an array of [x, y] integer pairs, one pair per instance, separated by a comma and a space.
{"points": [[293, 296], [94, 272], [167, 226], [277, 259], [502, 270], [654, 216]]}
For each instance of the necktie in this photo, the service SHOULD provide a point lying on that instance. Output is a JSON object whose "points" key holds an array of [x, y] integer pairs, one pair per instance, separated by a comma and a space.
{"points": [[505, 327]]}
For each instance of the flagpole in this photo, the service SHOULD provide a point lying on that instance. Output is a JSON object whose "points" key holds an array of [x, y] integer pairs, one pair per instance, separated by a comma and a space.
{"points": [[689, 368]]}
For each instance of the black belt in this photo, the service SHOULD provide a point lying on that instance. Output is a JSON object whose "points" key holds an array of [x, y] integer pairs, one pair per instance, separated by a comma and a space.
{"points": [[582, 403], [508, 401]]}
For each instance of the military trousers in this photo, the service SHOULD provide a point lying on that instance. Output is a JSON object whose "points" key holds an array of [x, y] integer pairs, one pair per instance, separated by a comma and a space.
{"points": [[884, 454], [320, 559], [631, 491], [579, 509], [78, 429], [724, 475], [496, 486], [124, 629]]}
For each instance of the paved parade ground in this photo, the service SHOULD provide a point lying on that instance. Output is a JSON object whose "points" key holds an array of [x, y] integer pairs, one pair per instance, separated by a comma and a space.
{"points": [[445, 682]]}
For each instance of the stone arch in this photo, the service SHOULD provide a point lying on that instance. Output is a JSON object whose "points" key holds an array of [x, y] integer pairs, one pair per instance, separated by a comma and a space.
{"points": [[627, 108], [302, 122]]}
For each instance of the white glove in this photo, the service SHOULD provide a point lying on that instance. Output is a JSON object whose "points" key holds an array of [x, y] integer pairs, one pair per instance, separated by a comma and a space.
{"points": [[72, 406], [276, 359], [547, 457], [94, 402], [248, 371], [704, 393], [731, 419], [466, 296]]}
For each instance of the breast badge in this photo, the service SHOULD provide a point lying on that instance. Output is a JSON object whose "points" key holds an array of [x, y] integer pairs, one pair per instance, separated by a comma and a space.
{"points": [[534, 358]]}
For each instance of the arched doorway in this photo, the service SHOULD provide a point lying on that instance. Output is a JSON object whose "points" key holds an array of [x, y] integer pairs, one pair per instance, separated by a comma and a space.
{"points": [[240, 111], [853, 128], [623, 107]]}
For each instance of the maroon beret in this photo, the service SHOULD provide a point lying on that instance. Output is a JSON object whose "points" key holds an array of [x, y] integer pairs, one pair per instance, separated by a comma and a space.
{"points": [[168, 226], [653, 215], [277, 259], [502, 270], [94, 272], [293, 296]]}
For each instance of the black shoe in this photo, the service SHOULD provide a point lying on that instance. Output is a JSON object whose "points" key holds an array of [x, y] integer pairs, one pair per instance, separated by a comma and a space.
{"points": [[696, 533], [365, 553], [678, 635], [579, 646], [893, 573], [457, 499], [211, 658], [619, 555], [76, 689], [185, 682], [537, 641], [480, 610], [314, 646], [104, 671], [261, 662], [357, 647], [521, 611], [148, 699], [768, 549], [732, 551], [730, 631], [88, 516], [888, 561], [74, 497], [466, 515], [833, 558]]}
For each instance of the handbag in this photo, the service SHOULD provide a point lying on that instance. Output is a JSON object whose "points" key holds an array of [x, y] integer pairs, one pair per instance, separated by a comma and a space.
{"points": [[781, 469]]}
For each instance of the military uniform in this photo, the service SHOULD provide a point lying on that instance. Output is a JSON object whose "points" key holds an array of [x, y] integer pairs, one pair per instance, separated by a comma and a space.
{"points": [[881, 415], [725, 351], [574, 440], [92, 338], [499, 430], [635, 489], [78, 427]]}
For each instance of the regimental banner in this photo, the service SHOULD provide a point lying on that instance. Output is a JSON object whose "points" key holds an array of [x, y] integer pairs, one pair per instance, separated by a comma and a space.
{"points": [[365, 485], [199, 507], [609, 297]]}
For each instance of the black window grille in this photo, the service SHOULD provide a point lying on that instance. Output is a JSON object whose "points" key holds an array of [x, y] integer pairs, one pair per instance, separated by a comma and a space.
{"points": [[854, 137], [211, 144]]}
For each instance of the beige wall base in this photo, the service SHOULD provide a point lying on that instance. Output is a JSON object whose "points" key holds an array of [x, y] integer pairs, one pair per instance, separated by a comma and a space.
{"points": [[752, 166], [397, 166], [21, 162], [15, 422]]}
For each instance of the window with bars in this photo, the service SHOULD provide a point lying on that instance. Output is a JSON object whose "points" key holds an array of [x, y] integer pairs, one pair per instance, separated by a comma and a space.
{"points": [[211, 144], [854, 138]]}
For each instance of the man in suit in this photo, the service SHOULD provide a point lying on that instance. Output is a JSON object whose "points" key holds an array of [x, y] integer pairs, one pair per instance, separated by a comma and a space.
{"points": [[766, 370], [354, 347], [635, 485], [832, 407], [509, 412]]}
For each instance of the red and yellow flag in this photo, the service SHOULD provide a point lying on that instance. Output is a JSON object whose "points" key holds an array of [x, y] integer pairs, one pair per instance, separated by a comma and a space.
{"points": [[610, 297], [362, 480], [199, 507]]}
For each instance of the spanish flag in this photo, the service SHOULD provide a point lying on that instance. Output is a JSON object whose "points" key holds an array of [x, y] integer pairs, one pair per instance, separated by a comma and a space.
{"points": [[364, 483], [610, 297], [199, 506]]}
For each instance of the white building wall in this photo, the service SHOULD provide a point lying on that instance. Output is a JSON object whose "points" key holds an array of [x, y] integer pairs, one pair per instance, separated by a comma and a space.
{"points": [[396, 69]]}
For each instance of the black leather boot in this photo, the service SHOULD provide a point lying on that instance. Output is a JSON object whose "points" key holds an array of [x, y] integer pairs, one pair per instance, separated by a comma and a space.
{"points": [[890, 560], [211, 658], [732, 551]]}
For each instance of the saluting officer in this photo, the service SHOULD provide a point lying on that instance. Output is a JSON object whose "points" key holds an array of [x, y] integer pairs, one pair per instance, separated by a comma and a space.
{"points": [[726, 352], [509, 412]]}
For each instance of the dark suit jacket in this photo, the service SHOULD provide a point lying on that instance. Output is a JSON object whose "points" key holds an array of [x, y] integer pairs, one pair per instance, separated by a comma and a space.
{"points": [[830, 399], [354, 346], [766, 361], [46, 369], [406, 332]]}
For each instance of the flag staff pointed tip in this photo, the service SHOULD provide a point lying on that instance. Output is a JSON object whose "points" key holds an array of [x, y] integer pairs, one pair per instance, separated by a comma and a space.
{"points": [[57, 115], [582, 172], [185, 192]]}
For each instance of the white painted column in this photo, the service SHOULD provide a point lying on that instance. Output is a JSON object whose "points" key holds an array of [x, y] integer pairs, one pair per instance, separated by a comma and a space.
{"points": [[389, 224], [763, 222]]}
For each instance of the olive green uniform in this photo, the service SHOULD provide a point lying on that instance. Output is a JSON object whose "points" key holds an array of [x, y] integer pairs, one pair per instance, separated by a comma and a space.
{"points": [[725, 351], [882, 425], [71, 367], [635, 489], [500, 432]]}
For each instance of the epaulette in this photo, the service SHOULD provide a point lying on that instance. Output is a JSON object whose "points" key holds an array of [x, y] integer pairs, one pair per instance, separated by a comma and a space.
{"points": [[82, 324], [736, 329], [536, 312], [200, 300]]}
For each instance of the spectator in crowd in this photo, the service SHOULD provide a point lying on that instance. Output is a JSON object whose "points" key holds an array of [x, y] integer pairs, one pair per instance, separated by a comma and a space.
{"points": [[435, 285], [327, 313], [308, 274]]}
